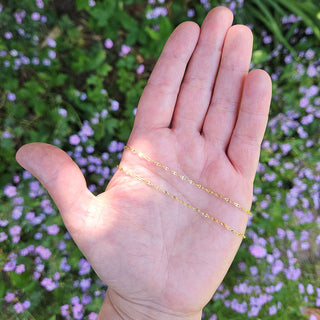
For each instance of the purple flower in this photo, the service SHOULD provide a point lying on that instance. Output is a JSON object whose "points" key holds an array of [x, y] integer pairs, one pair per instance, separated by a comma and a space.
{"points": [[310, 288], [34, 186], [84, 266], [56, 276], [92, 316], [267, 39], [15, 230], [277, 267], [64, 311], [10, 265], [3, 223], [302, 134], [78, 311], [86, 130], [264, 204], [27, 250], [157, 12], [9, 297], [108, 43], [89, 149], [51, 43], [124, 50], [64, 265], [75, 300], [39, 4], [312, 91], [258, 251], [114, 105], [272, 310], [270, 176], [3, 236], [15, 239], [10, 191], [8, 35], [309, 54], [18, 307], [286, 147], [26, 304], [6, 135], [86, 299], [18, 200], [301, 288], [292, 273], [53, 229], [85, 284], [83, 96], [11, 96], [52, 54], [113, 147], [104, 113], [95, 120], [74, 140], [62, 245], [30, 216], [43, 252], [140, 69], [304, 102], [35, 61], [35, 16], [49, 284], [20, 268], [46, 62], [307, 119], [311, 71], [191, 13]]}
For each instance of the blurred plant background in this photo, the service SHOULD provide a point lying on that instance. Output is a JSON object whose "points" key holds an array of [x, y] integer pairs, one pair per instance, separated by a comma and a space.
{"points": [[71, 74]]}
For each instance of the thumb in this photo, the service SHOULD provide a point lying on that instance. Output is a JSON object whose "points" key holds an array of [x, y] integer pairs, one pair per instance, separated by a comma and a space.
{"points": [[61, 177]]}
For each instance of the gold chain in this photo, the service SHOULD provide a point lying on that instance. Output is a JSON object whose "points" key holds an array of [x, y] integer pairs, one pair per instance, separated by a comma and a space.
{"points": [[186, 204], [198, 185]]}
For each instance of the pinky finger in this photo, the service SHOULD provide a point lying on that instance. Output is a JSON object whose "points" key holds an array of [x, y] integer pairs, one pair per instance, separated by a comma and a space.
{"points": [[244, 146]]}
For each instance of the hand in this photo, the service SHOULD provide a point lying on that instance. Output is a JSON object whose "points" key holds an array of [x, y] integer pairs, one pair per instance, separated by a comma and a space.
{"points": [[202, 115]]}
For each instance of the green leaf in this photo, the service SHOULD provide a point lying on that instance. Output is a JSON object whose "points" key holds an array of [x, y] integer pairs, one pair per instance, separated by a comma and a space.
{"points": [[2, 289], [82, 5], [22, 280], [306, 11], [259, 56], [111, 125], [154, 35], [166, 28], [103, 11], [266, 17], [104, 70]]}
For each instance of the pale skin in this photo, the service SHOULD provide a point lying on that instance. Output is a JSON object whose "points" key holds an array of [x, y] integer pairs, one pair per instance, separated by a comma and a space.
{"points": [[203, 115]]}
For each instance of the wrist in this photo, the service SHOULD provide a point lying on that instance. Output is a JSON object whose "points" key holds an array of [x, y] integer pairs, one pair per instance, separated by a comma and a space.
{"points": [[116, 307]]}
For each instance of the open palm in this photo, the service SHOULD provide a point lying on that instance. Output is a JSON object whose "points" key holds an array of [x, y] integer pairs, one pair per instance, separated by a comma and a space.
{"points": [[202, 115]]}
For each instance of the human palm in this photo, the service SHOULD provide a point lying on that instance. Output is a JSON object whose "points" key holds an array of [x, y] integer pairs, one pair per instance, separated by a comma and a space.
{"points": [[203, 116]]}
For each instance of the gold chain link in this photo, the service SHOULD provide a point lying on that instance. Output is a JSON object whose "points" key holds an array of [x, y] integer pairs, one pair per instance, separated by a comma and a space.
{"points": [[186, 204], [184, 178]]}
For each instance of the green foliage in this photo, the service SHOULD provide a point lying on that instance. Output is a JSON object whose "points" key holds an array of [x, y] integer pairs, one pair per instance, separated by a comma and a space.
{"points": [[267, 15]]}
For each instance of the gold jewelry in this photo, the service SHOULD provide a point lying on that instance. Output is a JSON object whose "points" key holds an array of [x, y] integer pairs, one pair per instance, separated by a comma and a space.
{"points": [[186, 204], [198, 185]]}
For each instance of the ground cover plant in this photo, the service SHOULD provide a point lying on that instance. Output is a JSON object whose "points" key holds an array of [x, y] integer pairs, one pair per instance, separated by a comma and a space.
{"points": [[72, 73]]}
